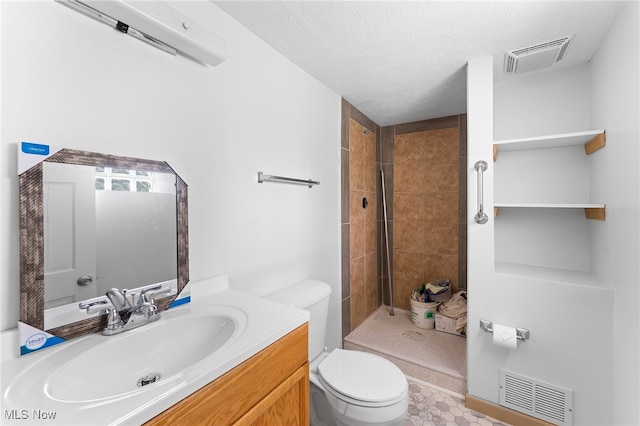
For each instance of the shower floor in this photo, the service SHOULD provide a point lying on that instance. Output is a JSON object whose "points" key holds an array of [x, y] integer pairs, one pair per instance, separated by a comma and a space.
{"points": [[431, 356]]}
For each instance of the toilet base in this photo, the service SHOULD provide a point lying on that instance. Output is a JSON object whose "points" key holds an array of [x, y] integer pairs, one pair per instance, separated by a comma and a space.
{"points": [[322, 413], [319, 408]]}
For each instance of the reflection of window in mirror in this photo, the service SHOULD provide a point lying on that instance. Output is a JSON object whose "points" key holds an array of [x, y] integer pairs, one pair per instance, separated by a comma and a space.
{"points": [[119, 179]]}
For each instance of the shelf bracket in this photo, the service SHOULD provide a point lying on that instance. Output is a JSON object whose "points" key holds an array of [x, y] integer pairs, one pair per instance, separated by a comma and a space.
{"points": [[598, 141], [595, 213], [495, 152]]}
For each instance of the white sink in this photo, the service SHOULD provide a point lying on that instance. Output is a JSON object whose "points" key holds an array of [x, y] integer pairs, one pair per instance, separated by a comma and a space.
{"points": [[148, 355], [93, 380]]}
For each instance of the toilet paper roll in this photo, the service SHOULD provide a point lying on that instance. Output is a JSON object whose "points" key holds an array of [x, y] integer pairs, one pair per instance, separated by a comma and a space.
{"points": [[505, 337]]}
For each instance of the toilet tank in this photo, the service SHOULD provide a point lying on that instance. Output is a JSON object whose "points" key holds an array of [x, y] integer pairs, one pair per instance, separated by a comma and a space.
{"points": [[312, 296]]}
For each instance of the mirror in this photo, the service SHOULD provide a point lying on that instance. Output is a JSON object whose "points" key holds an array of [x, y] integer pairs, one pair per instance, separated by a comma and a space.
{"points": [[90, 222]]}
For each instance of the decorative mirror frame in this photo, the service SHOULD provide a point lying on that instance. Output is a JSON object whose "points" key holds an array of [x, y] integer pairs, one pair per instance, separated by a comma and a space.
{"points": [[32, 237]]}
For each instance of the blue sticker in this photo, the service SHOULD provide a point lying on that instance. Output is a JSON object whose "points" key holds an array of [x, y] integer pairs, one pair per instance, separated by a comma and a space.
{"points": [[39, 341], [35, 148], [178, 302]]}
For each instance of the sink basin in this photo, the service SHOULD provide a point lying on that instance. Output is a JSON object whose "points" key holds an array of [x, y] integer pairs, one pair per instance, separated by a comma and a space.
{"points": [[158, 357], [95, 379], [138, 358]]}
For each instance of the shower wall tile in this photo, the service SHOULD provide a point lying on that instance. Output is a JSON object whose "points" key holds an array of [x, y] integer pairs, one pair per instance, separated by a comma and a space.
{"points": [[386, 145], [462, 204], [409, 225], [356, 156], [409, 206], [346, 316], [344, 185], [441, 207], [441, 239], [408, 274], [357, 231], [436, 174], [356, 115], [360, 162], [462, 257], [346, 261], [370, 223], [369, 162], [426, 203], [388, 186], [344, 124], [358, 291], [408, 238], [462, 130], [438, 267], [371, 283], [425, 125], [409, 168]]}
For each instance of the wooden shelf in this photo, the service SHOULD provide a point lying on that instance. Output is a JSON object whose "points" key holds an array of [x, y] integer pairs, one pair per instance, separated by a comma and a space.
{"points": [[592, 211], [592, 140]]}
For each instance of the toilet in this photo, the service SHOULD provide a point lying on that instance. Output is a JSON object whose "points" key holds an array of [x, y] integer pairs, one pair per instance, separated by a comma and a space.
{"points": [[347, 387]]}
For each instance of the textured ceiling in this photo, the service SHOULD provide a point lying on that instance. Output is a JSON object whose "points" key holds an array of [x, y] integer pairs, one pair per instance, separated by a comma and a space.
{"points": [[404, 61]]}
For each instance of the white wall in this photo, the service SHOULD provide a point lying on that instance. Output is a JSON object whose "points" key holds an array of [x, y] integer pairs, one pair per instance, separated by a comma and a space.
{"points": [[615, 93], [72, 82], [565, 320], [573, 327], [542, 103]]}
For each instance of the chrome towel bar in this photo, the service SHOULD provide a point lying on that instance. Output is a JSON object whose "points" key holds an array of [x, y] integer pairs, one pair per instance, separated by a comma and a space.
{"points": [[521, 333], [263, 177]]}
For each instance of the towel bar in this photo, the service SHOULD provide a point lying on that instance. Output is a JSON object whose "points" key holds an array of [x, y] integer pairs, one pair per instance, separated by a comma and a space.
{"points": [[263, 177]]}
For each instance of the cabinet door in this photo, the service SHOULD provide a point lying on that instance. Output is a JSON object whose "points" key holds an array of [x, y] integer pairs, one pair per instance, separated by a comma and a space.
{"points": [[286, 405], [272, 383]]}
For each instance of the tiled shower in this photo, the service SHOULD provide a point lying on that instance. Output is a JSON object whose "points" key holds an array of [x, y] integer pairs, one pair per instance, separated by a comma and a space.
{"points": [[424, 164]]}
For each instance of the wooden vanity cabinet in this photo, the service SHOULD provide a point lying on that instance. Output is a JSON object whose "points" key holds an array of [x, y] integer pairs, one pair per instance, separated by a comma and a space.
{"points": [[270, 388]]}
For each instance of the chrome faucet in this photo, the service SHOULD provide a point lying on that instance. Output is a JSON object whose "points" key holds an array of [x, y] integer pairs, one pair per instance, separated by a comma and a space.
{"points": [[124, 314]]}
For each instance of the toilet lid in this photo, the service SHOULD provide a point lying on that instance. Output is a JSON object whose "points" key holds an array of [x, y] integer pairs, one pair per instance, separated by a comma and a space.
{"points": [[362, 376]]}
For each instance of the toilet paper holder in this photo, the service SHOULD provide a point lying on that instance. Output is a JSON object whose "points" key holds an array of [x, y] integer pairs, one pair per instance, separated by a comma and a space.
{"points": [[521, 333]]}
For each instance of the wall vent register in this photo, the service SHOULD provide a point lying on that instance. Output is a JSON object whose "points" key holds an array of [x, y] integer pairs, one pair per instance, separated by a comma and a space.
{"points": [[535, 398]]}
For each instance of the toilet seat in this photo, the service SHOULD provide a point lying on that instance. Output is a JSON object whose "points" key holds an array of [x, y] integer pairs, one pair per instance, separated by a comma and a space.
{"points": [[362, 378]]}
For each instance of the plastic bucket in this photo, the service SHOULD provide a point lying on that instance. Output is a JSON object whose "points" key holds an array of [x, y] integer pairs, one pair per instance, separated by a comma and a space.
{"points": [[423, 315]]}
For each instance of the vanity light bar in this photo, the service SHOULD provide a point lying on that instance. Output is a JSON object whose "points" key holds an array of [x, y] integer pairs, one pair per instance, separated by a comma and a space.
{"points": [[156, 24], [120, 26]]}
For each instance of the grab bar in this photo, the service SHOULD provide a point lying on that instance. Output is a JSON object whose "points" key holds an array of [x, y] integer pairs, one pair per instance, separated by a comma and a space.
{"points": [[480, 217], [262, 177]]}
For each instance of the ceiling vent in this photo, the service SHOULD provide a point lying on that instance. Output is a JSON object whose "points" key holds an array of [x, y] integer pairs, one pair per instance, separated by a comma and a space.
{"points": [[536, 57]]}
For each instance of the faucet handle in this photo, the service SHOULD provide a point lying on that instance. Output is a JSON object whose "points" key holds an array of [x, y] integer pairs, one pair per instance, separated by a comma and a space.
{"points": [[150, 294], [92, 306]]}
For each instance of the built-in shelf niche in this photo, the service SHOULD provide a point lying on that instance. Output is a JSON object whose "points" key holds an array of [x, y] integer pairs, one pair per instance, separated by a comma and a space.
{"points": [[542, 200], [557, 163]]}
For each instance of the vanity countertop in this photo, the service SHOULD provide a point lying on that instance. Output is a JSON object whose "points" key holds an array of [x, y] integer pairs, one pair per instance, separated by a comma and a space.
{"points": [[28, 395]]}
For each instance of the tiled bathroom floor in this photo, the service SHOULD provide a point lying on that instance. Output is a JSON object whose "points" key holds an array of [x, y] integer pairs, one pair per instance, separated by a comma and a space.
{"points": [[434, 362], [428, 355], [429, 405]]}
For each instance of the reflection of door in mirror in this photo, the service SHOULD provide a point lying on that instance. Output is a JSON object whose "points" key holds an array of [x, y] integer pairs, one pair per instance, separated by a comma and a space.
{"points": [[70, 237]]}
